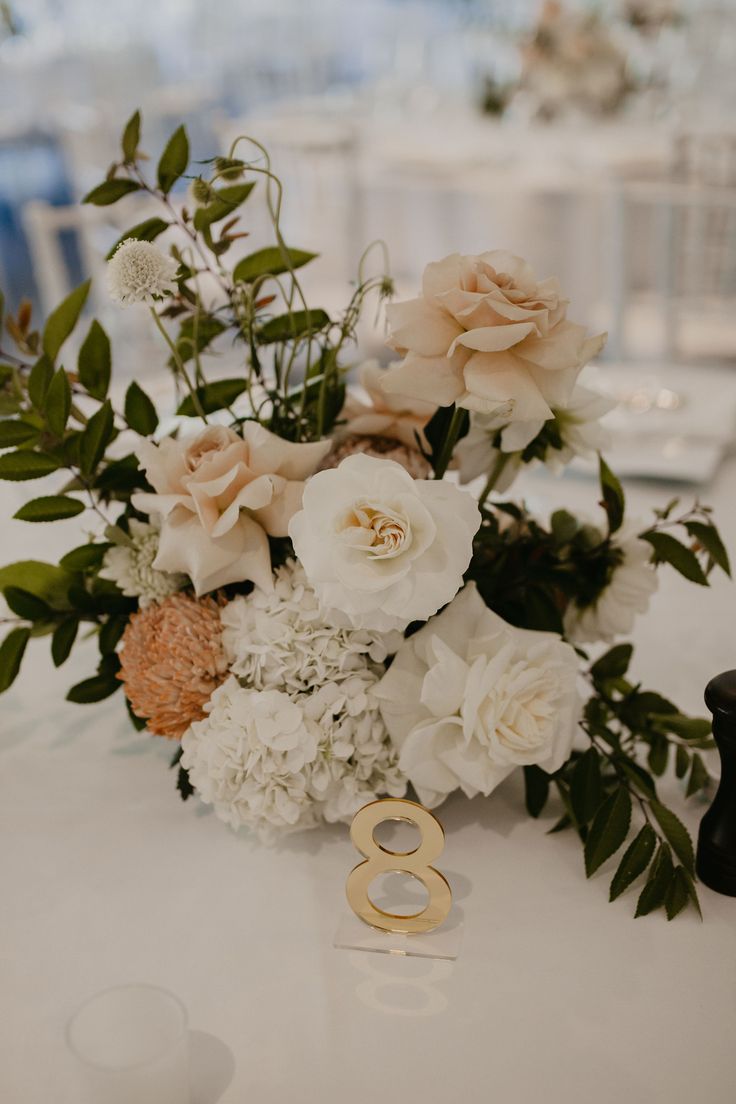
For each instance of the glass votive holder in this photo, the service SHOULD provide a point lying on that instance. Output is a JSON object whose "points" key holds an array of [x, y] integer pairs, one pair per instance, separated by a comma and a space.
{"points": [[131, 1043]]}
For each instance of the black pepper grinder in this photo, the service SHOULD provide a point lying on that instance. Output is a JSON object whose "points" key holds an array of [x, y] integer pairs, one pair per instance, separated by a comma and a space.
{"points": [[716, 858]]}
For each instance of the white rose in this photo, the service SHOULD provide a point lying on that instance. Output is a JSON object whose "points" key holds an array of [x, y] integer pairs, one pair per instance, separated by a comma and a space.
{"points": [[382, 549], [220, 496], [469, 698], [487, 335], [632, 584]]}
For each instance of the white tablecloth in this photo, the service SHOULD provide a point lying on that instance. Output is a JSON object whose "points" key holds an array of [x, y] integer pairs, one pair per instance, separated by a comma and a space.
{"points": [[556, 996]]}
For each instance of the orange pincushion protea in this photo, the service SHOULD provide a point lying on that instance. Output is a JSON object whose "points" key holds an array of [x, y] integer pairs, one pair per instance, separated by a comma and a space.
{"points": [[171, 660]]}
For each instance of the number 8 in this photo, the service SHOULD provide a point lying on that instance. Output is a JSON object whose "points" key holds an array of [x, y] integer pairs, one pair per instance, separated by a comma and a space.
{"points": [[379, 860]]}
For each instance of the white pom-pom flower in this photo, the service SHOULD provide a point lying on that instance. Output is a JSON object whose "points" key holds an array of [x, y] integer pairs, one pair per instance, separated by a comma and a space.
{"points": [[139, 272], [632, 583], [130, 566], [382, 549], [469, 698]]}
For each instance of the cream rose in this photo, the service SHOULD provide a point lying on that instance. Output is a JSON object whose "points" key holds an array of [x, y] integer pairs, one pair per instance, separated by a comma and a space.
{"points": [[396, 417], [486, 335], [469, 698], [382, 549], [220, 496]]}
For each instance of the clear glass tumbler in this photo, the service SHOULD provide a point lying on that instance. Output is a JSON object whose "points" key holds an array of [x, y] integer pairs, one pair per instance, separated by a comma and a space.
{"points": [[131, 1044]]}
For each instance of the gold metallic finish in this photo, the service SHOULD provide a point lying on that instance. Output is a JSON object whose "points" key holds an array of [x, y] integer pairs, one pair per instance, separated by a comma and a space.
{"points": [[379, 860]]}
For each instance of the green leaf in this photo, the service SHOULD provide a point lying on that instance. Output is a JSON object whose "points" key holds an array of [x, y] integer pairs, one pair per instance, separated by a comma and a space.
{"points": [[699, 777], [438, 427], [213, 396], [58, 403], [677, 895], [39, 379], [270, 262], [536, 789], [207, 329], [677, 835], [26, 605], [62, 321], [225, 202], [148, 230], [131, 136], [95, 361], [609, 829], [667, 549], [174, 160], [96, 437], [110, 191], [293, 327], [140, 413], [564, 526], [613, 496], [655, 889], [614, 664], [636, 859], [711, 541], [16, 433], [110, 634], [139, 723], [692, 891], [121, 477], [49, 508], [63, 639], [22, 464], [84, 557], [638, 775], [183, 785], [93, 689], [682, 761], [42, 579], [11, 655], [689, 728], [541, 612], [659, 750], [586, 790]]}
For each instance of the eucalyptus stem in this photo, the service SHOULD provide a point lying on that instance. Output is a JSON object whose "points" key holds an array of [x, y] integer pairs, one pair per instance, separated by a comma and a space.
{"points": [[453, 432], [501, 461], [180, 365]]}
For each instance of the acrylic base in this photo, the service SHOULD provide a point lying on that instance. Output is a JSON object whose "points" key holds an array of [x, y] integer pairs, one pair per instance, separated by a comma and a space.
{"points": [[444, 942]]}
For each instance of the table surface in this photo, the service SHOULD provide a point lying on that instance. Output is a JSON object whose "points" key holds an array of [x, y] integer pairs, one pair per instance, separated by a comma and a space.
{"points": [[556, 995]]}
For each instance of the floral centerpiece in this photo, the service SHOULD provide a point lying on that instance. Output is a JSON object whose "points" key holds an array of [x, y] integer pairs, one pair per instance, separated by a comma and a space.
{"points": [[573, 62], [321, 595]]}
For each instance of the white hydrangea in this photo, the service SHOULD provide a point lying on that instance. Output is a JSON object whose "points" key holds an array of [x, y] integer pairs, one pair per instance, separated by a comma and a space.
{"points": [[139, 272], [632, 584], [130, 566], [278, 763], [280, 641]]}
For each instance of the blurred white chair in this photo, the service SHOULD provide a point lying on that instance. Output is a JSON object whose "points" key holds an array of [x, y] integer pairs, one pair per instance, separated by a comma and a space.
{"points": [[682, 307], [315, 156], [95, 230]]}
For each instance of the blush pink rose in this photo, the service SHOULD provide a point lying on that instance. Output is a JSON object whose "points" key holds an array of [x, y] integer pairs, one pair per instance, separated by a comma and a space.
{"points": [[486, 335], [219, 496]]}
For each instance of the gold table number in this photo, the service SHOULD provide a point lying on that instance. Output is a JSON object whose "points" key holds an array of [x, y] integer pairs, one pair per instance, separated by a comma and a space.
{"points": [[379, 860]]}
